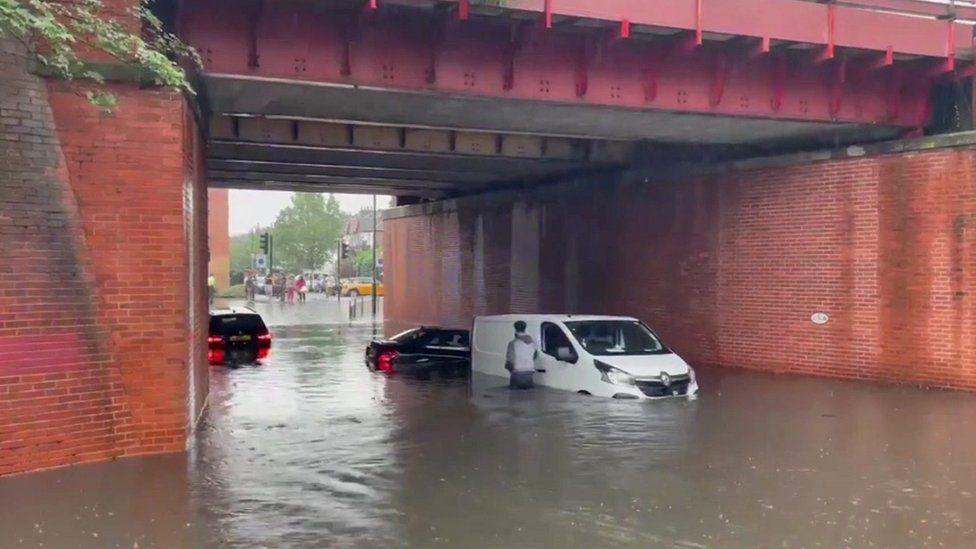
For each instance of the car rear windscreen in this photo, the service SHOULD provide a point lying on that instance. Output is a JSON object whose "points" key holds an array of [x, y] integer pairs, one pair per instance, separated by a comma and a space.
{"points": [[227, 324]]}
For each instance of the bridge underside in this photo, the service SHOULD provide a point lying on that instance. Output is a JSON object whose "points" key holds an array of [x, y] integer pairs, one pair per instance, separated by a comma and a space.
{"points": [[292, 135], [440, 98]]}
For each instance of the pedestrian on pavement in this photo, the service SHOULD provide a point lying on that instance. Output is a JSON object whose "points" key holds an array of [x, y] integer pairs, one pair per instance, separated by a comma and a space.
{"points": [[280, 286], [520, 358], [291, 289], [249, 287], [302, 288]]}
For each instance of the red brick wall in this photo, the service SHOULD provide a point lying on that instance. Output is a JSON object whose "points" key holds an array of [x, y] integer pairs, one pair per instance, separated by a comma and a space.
{"points": [[729, 268], [196, 228], [218, 235], [94, 283]]}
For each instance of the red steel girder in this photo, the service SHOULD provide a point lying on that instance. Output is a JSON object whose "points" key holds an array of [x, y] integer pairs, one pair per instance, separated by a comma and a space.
{"points": [[838, 77], [963, 9], [785, 20], [720, 76], [493, 58], [778, 82]]}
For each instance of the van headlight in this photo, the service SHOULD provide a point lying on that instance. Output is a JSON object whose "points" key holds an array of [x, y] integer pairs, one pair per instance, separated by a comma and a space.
{"points": [[614, 376]]}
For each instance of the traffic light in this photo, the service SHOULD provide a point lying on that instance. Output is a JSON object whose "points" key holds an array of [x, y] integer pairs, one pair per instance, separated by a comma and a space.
{"points": [[345, 251], [264, 243]]}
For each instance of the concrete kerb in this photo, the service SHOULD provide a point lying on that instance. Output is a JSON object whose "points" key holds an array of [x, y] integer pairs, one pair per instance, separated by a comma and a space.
{"points": [[684, 170]]}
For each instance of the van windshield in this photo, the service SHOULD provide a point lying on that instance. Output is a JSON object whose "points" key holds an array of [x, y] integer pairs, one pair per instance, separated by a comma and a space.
{"points": [[616, 337]]}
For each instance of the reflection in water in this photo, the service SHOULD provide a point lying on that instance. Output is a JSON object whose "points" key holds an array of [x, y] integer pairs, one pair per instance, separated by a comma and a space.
{"points": [[313, 450]]}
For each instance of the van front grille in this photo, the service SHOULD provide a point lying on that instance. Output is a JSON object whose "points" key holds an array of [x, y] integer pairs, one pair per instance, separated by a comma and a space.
{"points": [[655, 388]]}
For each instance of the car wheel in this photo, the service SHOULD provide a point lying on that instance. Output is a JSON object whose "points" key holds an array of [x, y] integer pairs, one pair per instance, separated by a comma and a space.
{"points": [[353, 293], [584, 393]]}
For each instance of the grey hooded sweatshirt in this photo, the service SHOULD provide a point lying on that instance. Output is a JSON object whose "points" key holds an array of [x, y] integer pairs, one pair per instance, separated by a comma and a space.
{"points": [[521, 354]]}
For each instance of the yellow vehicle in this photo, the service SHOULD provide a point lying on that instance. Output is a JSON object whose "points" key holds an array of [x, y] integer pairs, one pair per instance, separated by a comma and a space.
{"points": [[355, 287]]}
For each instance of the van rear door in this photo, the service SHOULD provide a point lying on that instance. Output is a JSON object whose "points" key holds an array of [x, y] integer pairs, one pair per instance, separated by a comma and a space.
{"points": [[489, 342]]}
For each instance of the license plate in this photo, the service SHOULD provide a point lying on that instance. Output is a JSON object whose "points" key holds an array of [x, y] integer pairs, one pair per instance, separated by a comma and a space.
{"points": [[240, 338], [240, 356]]}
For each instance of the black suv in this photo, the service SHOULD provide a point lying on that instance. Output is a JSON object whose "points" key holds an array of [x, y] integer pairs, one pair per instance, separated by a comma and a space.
{"points": [[237, 336], [420, 351]]}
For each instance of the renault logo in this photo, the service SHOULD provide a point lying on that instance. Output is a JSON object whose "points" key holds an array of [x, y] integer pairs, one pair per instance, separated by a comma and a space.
{"points": [[665, 379]]}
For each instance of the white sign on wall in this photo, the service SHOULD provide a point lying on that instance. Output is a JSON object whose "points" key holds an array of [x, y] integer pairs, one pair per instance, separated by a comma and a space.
{"points": [[819, 318]]}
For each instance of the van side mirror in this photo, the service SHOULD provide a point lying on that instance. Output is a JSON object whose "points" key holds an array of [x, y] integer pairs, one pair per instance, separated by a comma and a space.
{"points": [[566, 354]]}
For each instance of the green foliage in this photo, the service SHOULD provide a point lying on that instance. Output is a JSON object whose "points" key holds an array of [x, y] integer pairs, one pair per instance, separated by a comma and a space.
{"points": [[235, 291], [241, 248], [306, 232], [55, 30], [364, 261]]}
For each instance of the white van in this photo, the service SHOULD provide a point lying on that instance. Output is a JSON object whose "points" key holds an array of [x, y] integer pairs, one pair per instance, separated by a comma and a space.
{"points": [[608, 356]]}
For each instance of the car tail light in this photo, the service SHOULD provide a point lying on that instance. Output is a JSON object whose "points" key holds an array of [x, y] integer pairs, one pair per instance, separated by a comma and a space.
{"points": [[211, 340], [264, 345], [384, 362], [215, 356]]}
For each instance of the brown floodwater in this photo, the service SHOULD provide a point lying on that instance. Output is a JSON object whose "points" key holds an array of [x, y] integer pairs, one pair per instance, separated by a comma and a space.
{"points": [[313, 450]]}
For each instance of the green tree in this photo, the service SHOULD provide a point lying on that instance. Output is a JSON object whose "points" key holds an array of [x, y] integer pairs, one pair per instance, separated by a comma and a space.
{"points": [[242, 247], [364, 261], [54, 31], [306, 232]]}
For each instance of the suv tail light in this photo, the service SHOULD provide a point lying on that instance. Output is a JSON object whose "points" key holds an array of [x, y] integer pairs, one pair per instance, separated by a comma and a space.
{"points": [[264, 345], [215, 356], [384, 362], [215, 349]]}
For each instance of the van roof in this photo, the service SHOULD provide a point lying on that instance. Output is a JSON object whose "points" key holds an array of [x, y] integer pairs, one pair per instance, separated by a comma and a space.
{"points": [[543, 317]]}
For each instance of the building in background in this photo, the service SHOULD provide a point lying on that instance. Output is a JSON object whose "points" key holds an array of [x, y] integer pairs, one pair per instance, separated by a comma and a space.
{"points": [[359, 229], [218, 235]]}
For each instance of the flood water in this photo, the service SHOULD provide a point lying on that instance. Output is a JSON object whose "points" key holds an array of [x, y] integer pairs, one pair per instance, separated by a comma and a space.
{"points": [[313, 450]]}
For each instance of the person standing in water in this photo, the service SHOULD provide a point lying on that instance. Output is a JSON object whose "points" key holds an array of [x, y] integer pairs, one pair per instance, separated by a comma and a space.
{"points": [[520, 358]]}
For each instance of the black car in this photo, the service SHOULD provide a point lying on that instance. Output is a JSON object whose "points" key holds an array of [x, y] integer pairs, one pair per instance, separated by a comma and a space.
{"points": [[421, 351], [237, 336]]}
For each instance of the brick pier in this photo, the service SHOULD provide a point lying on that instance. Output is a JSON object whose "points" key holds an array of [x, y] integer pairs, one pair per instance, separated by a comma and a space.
{"points": [[103, 224]]}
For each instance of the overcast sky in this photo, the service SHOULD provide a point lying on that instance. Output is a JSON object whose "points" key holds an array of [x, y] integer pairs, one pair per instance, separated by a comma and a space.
{"points": [[250, 208]]}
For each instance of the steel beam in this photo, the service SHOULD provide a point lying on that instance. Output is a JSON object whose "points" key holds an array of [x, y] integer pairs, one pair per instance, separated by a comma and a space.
{"points": [[378, 183], [963, 9], [411, 160], [308, 41], [344, 104], [319, 187], [860, 23], [251, 166]]}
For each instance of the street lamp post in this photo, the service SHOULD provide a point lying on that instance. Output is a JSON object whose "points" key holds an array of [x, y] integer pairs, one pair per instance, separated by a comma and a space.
{"points": [[374, 255]]}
